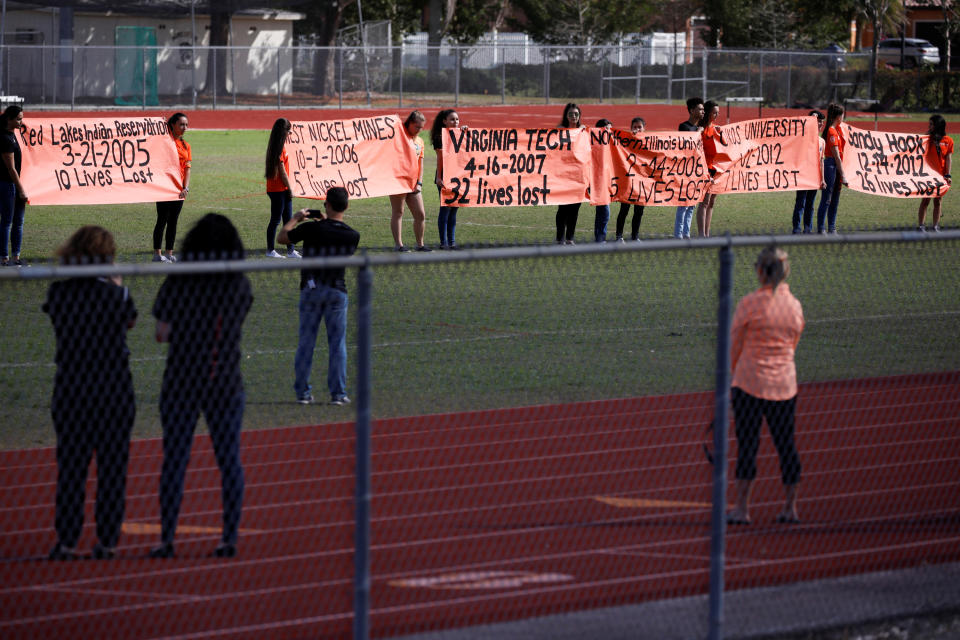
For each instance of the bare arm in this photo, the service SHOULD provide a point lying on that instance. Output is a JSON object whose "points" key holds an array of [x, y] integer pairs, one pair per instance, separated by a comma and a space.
{"points": [[186, 183], [12, 170]]}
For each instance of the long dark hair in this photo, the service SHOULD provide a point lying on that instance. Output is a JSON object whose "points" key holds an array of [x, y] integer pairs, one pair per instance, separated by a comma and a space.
{"points": [[213, 237], [278, 135], [10, 113], [834, 111], [707, 110], [938, 130], [564, 122], [436, 131]]}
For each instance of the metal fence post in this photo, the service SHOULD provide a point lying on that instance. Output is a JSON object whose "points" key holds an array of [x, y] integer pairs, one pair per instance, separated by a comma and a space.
{"points": [[546, 77], [339, 76], [361, 580], [703, 73], [400, 99], [789, 73], [720, 427], [279, 76], [456, 78], [503, 77]]}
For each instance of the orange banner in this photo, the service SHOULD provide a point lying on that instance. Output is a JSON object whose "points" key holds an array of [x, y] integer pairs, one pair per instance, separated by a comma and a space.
{"points": [[515, 167], [98, 161], [769, 154], [898, 165], [369, 157], [660, 169]]}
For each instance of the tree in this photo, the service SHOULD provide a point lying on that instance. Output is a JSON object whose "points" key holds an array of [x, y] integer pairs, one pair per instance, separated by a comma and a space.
{"points": [[581, 22], [950, 27], [880, 14], [321, 24]]}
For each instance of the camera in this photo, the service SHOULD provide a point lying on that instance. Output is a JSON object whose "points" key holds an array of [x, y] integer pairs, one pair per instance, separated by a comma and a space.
{"points": [[315, 214]]}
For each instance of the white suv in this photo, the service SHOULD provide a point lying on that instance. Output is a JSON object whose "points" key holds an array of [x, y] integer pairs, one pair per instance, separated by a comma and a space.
{"points": [[916, 52]]}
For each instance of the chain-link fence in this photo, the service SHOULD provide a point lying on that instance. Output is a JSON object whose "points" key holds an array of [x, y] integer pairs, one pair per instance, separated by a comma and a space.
{"points": [[487, 73], [532, 433]]}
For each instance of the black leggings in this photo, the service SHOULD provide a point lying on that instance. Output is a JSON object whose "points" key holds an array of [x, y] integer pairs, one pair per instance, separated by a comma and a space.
{"points": [[167, 215], [567, 221], [634, 224], [748, 414]]}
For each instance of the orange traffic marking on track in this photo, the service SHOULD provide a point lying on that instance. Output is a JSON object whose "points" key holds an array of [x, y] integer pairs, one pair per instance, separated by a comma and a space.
{"points": [[149, 529], [641, 503]]}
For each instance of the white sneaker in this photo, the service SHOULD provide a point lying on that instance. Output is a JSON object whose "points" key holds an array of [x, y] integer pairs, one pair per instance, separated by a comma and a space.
{"points": [[293, 253], [273, 254]]}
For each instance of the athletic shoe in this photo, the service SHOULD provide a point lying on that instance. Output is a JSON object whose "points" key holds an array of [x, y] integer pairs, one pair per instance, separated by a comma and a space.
{"points": [[339, 400], [293, 253], [165, 550], [171, 257], [921, 228], [60, 552], [4, 262], [402, 249], [101, 552], [305, 398], [225, 550], [17, 262], [424, 247], [620, 240], [444, 247], [158, 258], [273, 254], [936, 228]]}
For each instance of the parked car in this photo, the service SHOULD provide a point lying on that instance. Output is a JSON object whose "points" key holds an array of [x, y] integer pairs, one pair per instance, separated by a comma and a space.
{"points": [[916, 52], [834, 57]]}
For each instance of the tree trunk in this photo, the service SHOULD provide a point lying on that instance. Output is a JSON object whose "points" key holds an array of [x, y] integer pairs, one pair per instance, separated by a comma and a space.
{"points": [[434, 37], [324, 62]]}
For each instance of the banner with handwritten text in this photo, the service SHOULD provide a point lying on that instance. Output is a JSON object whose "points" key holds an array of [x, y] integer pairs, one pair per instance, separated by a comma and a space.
{"points": [[891, 164], [98, 161], [768, 155], [369, 157], [514, 167], [660, 169]]}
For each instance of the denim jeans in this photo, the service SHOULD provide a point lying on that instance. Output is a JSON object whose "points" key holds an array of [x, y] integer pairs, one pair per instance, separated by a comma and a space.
{"points": [[803, 206], [330, 305], [600, 223], [830, 196], [11, 220], [224, 415], [447, 225], [281, 208], [681, 225]]}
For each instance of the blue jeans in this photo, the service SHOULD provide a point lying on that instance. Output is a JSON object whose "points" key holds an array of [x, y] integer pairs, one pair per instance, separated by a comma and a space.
{"points": [[600, 223], [281, 208], [12, 209], [224, 415], [447, 225], [803, 206], [330, 305], [829, 197], [681, 225]]}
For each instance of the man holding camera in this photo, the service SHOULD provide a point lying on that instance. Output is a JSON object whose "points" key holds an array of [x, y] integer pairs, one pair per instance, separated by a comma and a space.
{"points": [[323, 292]]}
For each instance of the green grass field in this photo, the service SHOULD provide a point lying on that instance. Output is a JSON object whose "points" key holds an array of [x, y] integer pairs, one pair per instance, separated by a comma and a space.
{"points": [[459, 336]]}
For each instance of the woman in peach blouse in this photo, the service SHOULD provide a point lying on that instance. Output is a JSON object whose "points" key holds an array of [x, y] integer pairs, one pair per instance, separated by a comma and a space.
{"points": [[766, 329]]}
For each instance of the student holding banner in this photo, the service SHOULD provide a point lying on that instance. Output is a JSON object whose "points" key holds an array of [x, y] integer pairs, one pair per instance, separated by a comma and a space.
{"points": [[710, 135], [940, 157], [803, 204], [168, 212], [447, 216], [603, 210], [681, 225], [13, 197], [279, 191], [833, 177], [414, 200], [567, 213], [637, 125]]}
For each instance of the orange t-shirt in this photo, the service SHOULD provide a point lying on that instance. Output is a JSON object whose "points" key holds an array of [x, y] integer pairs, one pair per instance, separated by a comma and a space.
{"points": [[276, 184], [710, 136], [185, 157], [835, 139], [766, 329], [937, 154]]}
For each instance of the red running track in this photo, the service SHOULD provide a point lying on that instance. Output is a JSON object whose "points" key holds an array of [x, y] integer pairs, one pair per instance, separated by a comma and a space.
{"points": [[496, 515], [659, 117]]}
